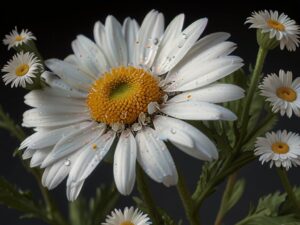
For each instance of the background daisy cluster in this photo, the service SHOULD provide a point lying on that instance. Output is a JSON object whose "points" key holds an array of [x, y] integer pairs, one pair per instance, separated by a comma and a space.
{"points": [[58, 28]]}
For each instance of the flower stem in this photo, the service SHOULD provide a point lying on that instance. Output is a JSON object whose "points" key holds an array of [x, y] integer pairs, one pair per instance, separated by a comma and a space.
{"points": [[147, 197], [261, 56], [288, 188], [187, 201], [229, 186]]}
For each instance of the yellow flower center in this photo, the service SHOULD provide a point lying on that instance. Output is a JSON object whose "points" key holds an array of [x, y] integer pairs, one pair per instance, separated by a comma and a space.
{"points": [[287, 94], [19, 38], [127, 223], [276, 25], [22, 69], [280, 147], [119, 96]]}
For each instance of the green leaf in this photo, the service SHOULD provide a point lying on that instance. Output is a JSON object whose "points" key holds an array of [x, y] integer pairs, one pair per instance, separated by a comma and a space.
{"points": [[20, 200], [266, 220], [269, 205], [235, 194], [94, 211]]}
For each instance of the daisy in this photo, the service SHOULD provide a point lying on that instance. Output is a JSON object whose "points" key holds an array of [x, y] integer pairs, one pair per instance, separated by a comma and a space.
{"points": [[281, 148], [14, 39], [21, 69], [281, 27], [134, 86], [128, 217], [282, 92]]}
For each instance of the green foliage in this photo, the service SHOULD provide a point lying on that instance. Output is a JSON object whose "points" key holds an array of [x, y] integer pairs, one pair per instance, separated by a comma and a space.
{"points": [[20, 200], [269, 212], [94, 211], [233, 195]]}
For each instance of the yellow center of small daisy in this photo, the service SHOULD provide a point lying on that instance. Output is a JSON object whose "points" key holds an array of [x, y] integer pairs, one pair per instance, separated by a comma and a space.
{"points": [[280, 147], [286, 93], [127, 223], [19, 38], [276, 25], [119, 96], [22, 69]]}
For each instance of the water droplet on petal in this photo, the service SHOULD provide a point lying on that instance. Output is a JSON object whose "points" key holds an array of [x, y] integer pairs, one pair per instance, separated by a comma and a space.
{"points": [[173, 131], [155, 41], [67, 162]]}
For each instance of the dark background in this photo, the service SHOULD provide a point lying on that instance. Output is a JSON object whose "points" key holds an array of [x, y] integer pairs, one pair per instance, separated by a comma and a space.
{"points": [[56, 26]]}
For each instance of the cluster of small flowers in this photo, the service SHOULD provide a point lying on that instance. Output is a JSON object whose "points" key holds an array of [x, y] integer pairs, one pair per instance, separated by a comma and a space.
{"points": [[282, 148], [24, 66]]}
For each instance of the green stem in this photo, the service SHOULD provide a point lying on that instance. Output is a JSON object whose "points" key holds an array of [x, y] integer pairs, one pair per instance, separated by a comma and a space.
{"points": [[288, 188], [222, 211], [187, 201], [144, 191], [261, 56]]}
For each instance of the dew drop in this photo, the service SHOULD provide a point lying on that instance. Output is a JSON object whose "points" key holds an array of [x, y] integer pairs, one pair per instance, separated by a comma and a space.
{"points": [[184, 35], [155, 41], [173, 131], [67, 162]]}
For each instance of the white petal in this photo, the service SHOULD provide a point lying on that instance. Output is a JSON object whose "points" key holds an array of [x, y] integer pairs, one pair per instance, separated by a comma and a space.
{"points": [[44, 118], [155, 158], [74, 141], [194, 75], [90, 157], [70, 74], [130, 32], [90, 55], [186, 137], [116, 45], [124, 162], [74, 190], [214, 93], [193, 110], [99, 34], [39, 156], [60, 88], [148, 38], [174, 50]]}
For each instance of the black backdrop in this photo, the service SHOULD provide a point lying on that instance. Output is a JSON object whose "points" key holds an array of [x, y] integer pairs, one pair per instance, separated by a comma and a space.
{"points": [[56, 26]]}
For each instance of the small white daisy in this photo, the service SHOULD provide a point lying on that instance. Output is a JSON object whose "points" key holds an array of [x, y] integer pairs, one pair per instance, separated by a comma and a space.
{"points": [[134, 85], [281, 148], [282, 92], [281, 27], [128, 217], [14, 39], [21, 69]]}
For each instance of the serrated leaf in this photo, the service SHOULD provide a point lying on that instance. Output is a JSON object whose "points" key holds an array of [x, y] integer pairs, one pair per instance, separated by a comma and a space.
{"points": [[269, 205], [266, 220], [20, 200]]}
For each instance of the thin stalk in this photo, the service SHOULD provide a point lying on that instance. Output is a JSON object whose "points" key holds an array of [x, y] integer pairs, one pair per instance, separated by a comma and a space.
{"points": [[187, 202], [144, 191], [222, 211], [288, 188]]}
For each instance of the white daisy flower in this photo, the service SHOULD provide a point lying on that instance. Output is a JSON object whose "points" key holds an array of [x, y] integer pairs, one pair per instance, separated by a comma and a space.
{"points": [[21, 69], [135, 85], [281, 27], [282, 92], [14, 39], [280, 149], [128, 217]]}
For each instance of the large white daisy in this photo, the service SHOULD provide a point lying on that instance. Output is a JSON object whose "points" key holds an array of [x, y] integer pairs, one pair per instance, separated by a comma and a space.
{"points": [[21, 69], [128, 217], [133, 86], [282, 92], [280, 149], [281, 27], [15, 38]]}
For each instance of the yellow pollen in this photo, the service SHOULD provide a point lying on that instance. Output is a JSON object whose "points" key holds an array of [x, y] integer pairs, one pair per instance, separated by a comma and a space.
{"points": [[94, 146], [119, 96], [276, 25], [22, 69], [19, 38], [280, 147], [286, 93], [127, 223]]}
